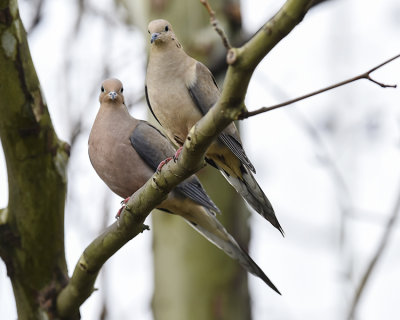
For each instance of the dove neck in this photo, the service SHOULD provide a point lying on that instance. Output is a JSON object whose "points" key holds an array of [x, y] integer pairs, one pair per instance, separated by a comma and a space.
{"points": [[167, 56]]}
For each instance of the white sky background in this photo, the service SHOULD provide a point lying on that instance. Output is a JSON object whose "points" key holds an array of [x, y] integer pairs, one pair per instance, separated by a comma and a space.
{"points": [[354, 129]]}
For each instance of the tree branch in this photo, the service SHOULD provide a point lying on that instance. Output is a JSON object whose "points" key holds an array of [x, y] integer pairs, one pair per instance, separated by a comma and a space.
{"points": [[215, 24], [191, 159], [375, 258], [365, 75], [36, 169]]}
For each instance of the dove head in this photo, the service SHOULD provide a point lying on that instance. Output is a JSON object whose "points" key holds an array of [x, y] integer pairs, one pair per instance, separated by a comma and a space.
{"points": [[161, 33], [112, 91]]}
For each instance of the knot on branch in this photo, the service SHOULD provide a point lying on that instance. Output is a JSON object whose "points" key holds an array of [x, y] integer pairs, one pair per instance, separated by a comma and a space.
{"points": [[155, 184], [231, 57]]}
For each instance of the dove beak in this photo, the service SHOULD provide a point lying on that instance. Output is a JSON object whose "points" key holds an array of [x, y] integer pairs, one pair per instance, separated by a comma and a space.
{"points": [[154, 37], [112, 95]]}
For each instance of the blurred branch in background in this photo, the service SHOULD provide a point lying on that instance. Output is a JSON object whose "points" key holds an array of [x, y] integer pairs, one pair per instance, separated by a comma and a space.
{"points": [[387, 232], [216, 26], [325, 155], [322, 148], [37, 15]]}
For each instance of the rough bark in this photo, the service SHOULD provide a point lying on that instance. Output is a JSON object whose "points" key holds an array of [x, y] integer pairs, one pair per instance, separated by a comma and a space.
{"points": [[32, 226]]}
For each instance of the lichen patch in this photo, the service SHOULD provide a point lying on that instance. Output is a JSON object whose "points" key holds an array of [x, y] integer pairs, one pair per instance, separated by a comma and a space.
{"points": [[9, 44]]}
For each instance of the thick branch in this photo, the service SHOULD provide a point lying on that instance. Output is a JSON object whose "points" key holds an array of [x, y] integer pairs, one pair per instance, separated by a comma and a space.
{"points": [[365, 75], [190, 160], [375, 258]]}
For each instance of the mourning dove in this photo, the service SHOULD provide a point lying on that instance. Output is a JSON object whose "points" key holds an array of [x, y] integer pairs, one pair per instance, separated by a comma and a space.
{"points": [[125, 153], [179, 91]]}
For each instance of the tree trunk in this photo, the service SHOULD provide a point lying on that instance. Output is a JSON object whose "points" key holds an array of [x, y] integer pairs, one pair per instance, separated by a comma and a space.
{"points": [[32, 226], [193, 278]]}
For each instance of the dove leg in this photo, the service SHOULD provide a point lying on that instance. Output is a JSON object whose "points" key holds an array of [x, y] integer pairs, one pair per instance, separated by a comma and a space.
{"points": [[123, 205], [163, 163], [177, 153]]}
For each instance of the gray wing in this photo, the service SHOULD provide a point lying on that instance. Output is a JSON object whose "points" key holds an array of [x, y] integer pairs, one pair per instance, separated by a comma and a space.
{"points": [[236, 147], [153, 147], [193, 189], [205, 93]]}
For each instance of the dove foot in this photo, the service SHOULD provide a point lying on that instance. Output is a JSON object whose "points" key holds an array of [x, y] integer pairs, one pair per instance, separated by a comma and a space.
{"points": [[177, 153], [123, 205], [163, 163]]}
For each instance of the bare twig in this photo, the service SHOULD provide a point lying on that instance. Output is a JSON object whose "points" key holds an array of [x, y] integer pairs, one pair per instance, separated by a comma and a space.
{"points": [[375, 258], [214, 22], [365, 75], [37, 17]]}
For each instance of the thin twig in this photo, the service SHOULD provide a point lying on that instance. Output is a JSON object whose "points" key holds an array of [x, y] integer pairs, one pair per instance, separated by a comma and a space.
{"points": [[214, 22], [378, 254], [365, 75]]}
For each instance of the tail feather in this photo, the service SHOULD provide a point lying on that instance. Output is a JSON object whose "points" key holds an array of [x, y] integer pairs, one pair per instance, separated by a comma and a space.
{"points": [[214, 231], [249, 189]]}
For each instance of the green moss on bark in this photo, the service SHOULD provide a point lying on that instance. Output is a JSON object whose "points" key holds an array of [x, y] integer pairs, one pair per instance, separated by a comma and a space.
{"points": [[36, 163]]}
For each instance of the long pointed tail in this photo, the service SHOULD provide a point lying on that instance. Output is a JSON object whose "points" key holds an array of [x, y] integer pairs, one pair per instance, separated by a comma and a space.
{"points": [[207, 224], [249, 189]]}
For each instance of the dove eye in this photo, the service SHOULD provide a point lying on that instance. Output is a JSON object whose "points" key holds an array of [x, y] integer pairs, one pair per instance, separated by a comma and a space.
{"points": [[166, 28], [148, 31], [122, 90], [102, 89]]}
